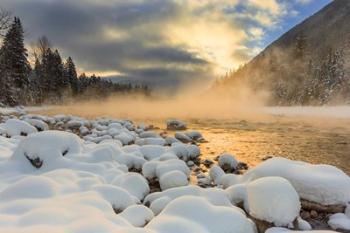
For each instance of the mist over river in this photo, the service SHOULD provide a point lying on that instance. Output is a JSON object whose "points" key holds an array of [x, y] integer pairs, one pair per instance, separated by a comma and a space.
{"points": [[319, 135]]}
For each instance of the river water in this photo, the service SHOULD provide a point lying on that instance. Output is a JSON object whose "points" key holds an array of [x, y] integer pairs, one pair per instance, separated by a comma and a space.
{"points": [[315, 135]]}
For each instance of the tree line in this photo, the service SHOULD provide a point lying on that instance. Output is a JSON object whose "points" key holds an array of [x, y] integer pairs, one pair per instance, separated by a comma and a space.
{"points": [[49, 79]]}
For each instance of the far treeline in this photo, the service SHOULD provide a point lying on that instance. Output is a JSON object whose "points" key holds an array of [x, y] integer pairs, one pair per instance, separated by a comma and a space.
{"points": [[50, 80], [295, 76]]}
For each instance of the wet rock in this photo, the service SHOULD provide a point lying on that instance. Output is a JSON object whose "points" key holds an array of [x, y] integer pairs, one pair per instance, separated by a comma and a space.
{"points": [[331, 209], [208, 162], [313, 214], [267, 157]]}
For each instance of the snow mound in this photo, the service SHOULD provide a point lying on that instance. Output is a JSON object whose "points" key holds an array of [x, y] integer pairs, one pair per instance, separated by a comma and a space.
{"points": [[173, 124], [228, 162], [43, 149], [193, 214], [271, 199], [173, 179], [323, 184], [15, 127], [155, 169], [137, 215], [134, 183], [339, 221], [216, 174], [159, 200], [284, 230], [38, 124], [150, 141]]}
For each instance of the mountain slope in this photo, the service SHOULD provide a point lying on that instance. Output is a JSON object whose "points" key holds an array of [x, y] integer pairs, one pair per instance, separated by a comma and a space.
{"points": [[310, 64]]}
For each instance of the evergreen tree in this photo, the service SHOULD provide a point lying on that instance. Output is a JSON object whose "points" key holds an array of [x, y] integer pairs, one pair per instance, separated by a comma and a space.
{"points": [[71, 74], [14, 64]]}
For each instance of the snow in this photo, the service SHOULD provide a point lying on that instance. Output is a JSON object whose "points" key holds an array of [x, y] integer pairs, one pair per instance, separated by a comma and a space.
{"points": [[271, 199], [134, 183], [303, 225], [182, 137], [195, 214], [284, 230], [45, 149], [216, 173], [38, 124], [173, 179], [137, 215], [215, 196], [106, 181], [323, 184], [173, 124], [15, 127], [228, 161], [194, 135], [339, 221]]}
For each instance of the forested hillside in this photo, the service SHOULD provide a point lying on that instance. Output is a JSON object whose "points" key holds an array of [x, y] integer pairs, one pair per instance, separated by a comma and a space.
{"points": [[310, 64]]}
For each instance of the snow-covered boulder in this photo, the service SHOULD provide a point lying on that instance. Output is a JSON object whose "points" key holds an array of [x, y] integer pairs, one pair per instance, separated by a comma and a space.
{"points": [[149, 134], [173, 179], [194, 135], [152, 151], [45, 149], [159, 200], [134, 183], [176, 125], [271, 199], [228, 162], [339, 221], [323, 184], [119, 198], [172, 165], [285, 230], [194, 214], [150, 141], [216, 174], [137, 215], [15, 127], [182, 137], [38, 124]]}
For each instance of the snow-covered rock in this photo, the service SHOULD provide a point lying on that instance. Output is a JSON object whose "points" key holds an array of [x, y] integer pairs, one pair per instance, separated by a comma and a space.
{"points": [[227, 162], [215, 196], [193, 214], [216, 174], [194, 135], [182, 137], [45, 149], [173, 179], [285, 230], [339, 221], [38, 124], [323, 184], [137, 215], [134, 183], [271, 199], [15, 127], [176, 125]]}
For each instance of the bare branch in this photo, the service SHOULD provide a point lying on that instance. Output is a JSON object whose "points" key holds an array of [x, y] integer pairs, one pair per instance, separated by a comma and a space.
{"points": [[5, 20]]}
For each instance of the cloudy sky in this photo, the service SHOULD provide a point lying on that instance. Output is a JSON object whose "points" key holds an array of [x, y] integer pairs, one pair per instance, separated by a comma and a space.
{"points": [[164, 42]]}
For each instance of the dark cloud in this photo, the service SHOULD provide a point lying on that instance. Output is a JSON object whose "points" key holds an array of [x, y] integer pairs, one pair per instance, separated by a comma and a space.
{"points": [[80, 29]]}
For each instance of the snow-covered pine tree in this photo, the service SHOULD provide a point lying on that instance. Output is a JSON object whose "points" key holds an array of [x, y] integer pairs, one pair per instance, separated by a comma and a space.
{"points": [[61, 81], [14, 63], [71, 74]]}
